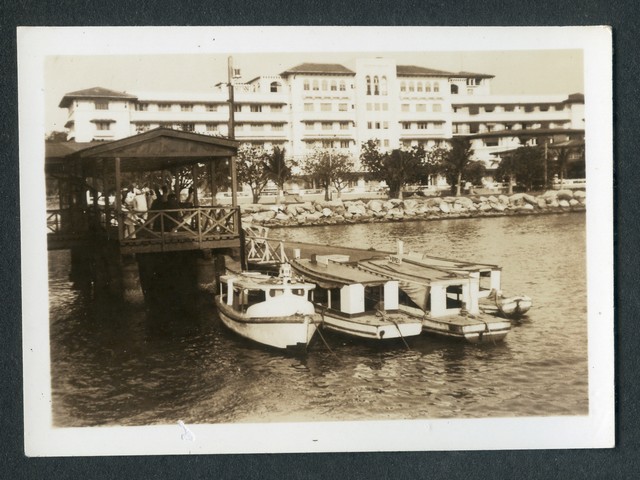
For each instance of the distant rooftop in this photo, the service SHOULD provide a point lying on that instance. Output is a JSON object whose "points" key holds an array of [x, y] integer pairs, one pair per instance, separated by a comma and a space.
{"points": [[319, 68], [472, 75], [415, 71], [95, 92]]}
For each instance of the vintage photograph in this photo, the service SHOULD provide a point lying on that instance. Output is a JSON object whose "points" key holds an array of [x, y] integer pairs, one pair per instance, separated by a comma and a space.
{"points": [[279, 247]]}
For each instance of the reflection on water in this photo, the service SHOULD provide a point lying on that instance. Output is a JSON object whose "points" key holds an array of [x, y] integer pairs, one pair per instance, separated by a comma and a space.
{"points": [[115, 365]]}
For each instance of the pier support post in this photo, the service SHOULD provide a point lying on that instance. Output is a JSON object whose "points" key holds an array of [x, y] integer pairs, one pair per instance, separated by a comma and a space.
{"points": [[131, 287], [206, 272]]}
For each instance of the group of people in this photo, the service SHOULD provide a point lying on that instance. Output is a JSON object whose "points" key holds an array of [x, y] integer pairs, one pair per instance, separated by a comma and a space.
{"points": [[138, 202]]}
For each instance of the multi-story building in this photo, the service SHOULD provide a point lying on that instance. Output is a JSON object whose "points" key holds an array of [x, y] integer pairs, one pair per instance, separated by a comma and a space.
{"points": [[330, 106]]}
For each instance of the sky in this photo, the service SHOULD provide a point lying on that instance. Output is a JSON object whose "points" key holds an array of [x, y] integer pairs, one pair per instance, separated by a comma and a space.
{"points": [[516, 72]]}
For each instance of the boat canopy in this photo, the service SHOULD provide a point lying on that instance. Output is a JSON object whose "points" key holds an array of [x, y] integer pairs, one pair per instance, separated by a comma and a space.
{"points": [[336, 275]]}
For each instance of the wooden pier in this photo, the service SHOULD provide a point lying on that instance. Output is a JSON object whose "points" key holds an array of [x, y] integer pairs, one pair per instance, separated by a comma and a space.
{"points": [[93, 221]]}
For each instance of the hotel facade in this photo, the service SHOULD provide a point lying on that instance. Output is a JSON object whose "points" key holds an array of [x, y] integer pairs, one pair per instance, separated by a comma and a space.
{"points": [[329, 106]]}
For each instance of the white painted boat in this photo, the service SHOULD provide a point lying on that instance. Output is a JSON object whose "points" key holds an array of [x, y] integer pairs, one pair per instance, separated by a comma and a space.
{"points": [[509, 307], [445, 302], [355, 302], [270, 310]]}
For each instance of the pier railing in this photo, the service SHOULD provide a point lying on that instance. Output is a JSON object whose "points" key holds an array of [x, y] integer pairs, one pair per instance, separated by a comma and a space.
{"points": [[264, 251]]}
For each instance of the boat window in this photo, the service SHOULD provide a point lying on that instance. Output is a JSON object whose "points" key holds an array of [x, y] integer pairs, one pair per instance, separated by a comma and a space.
{"points": [[275, 292], [255, 296], [454, 296], [298, 291], [373, 298], [321, 296], [335, 298], [404, 299], [485, 280]]}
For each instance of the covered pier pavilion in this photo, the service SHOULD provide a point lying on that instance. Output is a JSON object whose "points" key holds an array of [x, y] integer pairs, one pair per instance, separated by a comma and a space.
{"points": [[94, 219]]}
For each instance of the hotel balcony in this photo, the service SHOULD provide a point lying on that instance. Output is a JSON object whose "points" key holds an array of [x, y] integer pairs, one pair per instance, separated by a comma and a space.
{"points": [[305, 116], [328, 134], [423, 116], [242, 134], [260, 117], [178, 116], [424, 133], [261, 98], [511, 117]]}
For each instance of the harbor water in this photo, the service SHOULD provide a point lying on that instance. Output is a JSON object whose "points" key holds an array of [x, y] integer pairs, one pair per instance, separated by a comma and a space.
{"points": [[118, 365]]}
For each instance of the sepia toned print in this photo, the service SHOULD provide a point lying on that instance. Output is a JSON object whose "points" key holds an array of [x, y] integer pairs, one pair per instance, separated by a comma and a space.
{"points": [[240, 246]]}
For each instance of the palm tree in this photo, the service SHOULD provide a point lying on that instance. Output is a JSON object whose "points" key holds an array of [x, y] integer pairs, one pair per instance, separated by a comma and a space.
{"points": [[457, 160], [277, 169]]}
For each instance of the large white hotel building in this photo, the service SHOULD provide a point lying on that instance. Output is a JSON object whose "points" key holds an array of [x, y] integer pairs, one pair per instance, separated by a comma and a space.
{"points": [[329, 106]]}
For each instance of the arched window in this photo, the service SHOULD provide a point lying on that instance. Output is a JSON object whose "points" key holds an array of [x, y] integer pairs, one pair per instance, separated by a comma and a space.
{"points": [[334, 86], [275, 87], [436, 87], [454, 89], [316, 85], [343, 86], [403, 86], [306, 85], [324, 85], [383, 86], [427, 87], [376, 86], [418, 86], [368, 85], [411, 86]]}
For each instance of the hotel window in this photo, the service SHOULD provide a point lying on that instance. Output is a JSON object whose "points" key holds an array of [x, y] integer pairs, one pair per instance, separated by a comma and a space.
{"points": [[436, 87], [421, 107], [186, 107], [257, 127], [316, 85], [103, 125], [342, 107], [237, 108], [142, 107], [101, 105], [310, 144], [544, 108], [529, 108], [377, 107], [324, 85], [469, 91], [406, 125], [471, 82], [344, 126], [385, 125], [345, 143], [376, 86], [403, 86], [418, 86], [383, 86], [187, 127], [164, 107], [343, 86], [509, 108], [334, 86], [377, 125], [454, 89], [368, 79], [256, 108], [369, 106], [211, 127], [306, 85], [385, 107], [437, 107], [427, 87], [277, 127], [404, 107], [411, 86], [489, 108], [369, 125], [327, 126], [212, 107], [385, 142], [274, 87], [276, 108], [142, 127], [423, 126], [327, 144], [309, 125], [474, 110], [325, 107], [308, 107], [438, 125]]}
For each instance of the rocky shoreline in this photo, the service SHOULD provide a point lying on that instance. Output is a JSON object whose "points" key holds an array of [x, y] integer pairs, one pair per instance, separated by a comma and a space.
{"points": [[337, 212]]}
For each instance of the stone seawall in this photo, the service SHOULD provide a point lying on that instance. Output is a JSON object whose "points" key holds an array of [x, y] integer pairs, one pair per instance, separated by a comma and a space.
{"points": [[337, 212]]}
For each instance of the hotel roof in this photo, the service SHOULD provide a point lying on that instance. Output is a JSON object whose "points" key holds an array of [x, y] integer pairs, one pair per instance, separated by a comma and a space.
{"points": [[95, 92], [415, 71], [319, 69]]}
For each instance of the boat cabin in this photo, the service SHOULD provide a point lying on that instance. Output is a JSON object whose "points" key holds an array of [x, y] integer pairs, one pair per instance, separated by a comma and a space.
{"points": [[248, 289], [345, 289]]}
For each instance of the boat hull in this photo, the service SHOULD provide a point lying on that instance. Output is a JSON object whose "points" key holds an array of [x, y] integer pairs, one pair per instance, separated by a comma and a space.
{"points": [[372, 326], [470, 329], [511, 307], [293, 331]]}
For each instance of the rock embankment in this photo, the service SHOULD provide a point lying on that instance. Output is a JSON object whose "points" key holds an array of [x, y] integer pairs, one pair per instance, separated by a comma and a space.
{"points": [[339, 212]]}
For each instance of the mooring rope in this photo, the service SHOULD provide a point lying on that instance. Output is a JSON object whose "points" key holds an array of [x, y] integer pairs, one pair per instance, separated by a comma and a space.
{"points": [[319, 330]]}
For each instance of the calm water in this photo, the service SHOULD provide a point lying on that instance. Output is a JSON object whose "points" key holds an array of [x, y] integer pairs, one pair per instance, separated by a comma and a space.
{"points": [[132, 366]]}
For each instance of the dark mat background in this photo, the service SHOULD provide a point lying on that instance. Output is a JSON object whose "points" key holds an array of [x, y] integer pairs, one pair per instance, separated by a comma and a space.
{"points": [[621, 462]]}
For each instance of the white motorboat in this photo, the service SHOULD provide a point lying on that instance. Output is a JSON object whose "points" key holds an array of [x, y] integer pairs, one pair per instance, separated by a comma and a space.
{"points": [[273, 311], [355, 302]]}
